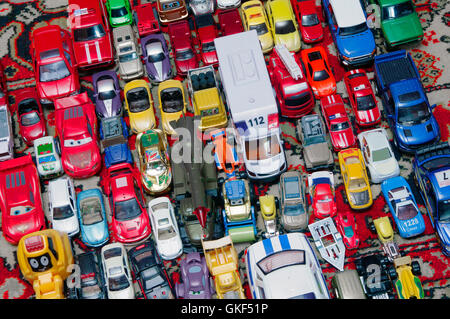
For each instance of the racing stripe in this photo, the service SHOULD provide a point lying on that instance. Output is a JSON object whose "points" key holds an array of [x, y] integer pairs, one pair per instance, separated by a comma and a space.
{"points": [[99, 53], [284, 241], [88, 53], [267, 243]]}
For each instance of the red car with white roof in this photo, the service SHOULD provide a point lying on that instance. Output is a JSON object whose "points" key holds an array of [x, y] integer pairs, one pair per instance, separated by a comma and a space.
{"points": [[54, 63], [337, 121], [308, 20], [91, 33], [182, 46], [30, 116], [76, 130], [362, 99], [130, 220]]}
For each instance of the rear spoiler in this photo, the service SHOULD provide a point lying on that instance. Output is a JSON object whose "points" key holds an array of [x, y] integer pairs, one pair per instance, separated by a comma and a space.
{"points": [[16, 162]]}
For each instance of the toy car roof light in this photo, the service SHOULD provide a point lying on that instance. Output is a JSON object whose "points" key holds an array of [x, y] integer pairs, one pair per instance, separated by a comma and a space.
{"points": [[34, 243], [289, 62]]}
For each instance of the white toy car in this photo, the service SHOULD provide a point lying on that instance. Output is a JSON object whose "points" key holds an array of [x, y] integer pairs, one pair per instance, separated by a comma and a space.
{"points": [[48, 162], [378, 155], [165, 228], [116, 271], [62, 206], [228, 4], [6, 134], [285, 267]]}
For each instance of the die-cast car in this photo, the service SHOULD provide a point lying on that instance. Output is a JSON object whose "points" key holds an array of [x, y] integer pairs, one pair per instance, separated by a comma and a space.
{"points": [[62, 206], [383, 289], [321, 189], [139, 105], [382, 227], [54, 63], [225, 154], [172, 103], [348, 26], [20, 199], [346, 225], [171, 10], [195, 280], [320, 75], [92, 218], [404, 275], [116, 272], [337, 121], [307, 16], [114, 141], [378, 155], [30, 116], [119, 12], [91, 276], [207, 31], [347, 285], [107, 97], [199, 7], [285, 267], [6, 134], [294, 212], [185, 56], [254, 18], [354, 175], [227, 4], [48, 162], [87, 21], [149, 271], [362, 99], [146, 18], [230, 21], [156, 57], [127, 55]]}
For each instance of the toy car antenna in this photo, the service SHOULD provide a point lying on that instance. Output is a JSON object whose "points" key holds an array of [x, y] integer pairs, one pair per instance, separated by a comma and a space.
{"points": [[289, 62]]}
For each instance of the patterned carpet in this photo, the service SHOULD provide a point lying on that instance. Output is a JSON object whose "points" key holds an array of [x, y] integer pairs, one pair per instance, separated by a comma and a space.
{"points": [[19, 17]]}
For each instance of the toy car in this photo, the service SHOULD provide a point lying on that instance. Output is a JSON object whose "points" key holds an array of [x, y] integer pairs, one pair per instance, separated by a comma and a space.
{"points": [[283, 24], [407, 284], [229, 21], [114, 141], [139, 105], [383, 228], [44, 258], [92, 218], [155, 168], [200, 7], [116, 270], [62, 206], [119, 12], [171, 10], [30, 116], [379, 287], [172, 103], [351, 35], [283, 267], [91, 277], [227, 4], [378, 155], [320, 75], [48, 162], [195, 280], [294, 212], [76, 134], [146, 18], [6, 134], [87, 21], [312, 134], [130, 222], [347, 285], [307, 16], [20, 199], [107, 94], [55, 70], [362, 99], [125, 44], [156, 57], [345, 223], [254, 18], [185, 56], [206, 33], [356, 182], [225, 155], [321, 189], [268, 206], [149, 272]]}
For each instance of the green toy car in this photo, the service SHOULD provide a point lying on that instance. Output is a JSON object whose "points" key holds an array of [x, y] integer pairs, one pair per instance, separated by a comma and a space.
{"points": [[119, 12]]}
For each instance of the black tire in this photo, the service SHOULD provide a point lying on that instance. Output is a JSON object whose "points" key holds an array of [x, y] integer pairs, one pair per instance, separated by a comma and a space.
{"points": [[416, 268], [58, 145], [370, 225], [360, 269], [392, 273]]}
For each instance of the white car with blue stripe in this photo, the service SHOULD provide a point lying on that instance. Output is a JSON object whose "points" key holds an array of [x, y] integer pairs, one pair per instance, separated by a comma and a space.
{"points": [[285, 267]]}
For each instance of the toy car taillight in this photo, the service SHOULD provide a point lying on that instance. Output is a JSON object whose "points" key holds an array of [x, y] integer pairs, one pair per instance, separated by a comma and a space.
{"points": [[34, 243], [273, 121]]}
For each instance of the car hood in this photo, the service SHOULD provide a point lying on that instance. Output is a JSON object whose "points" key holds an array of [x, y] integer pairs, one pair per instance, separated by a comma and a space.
{"points": [[127, 293], [286, 283], [32, 132], [16, 227], [291, 40], [170, 247], [158, 71], [132, 228], [318, 154], [109, 108], [351, 46], [443, 230], [130, 67], [403, 28], [295, 222], [96, 233], [325, 208], [116, 154], [385, 167], [419, 133], [343, 139], [81, 157], [57, 89], [67, 225], [313, 32]]}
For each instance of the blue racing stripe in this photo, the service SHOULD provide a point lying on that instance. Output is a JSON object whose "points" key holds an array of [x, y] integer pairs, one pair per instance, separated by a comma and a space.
{"points": [[268, 246], [284, 241]]}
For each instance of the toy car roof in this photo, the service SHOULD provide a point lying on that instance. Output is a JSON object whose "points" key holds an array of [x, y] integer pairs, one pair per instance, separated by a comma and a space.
{"points": [[235, 189], [149, 139]]}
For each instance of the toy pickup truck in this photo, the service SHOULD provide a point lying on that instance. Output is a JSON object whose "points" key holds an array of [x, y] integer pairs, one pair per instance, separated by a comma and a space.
{"points": [[222, 261], [409, 113]]}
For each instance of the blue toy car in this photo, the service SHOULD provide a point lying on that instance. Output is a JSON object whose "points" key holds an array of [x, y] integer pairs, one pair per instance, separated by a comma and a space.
{"points": [[431, 167], [403, 206], [92, 217], [114, 140], [351, 35]]}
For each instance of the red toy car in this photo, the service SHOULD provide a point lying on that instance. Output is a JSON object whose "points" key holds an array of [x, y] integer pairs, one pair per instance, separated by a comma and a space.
{"points": [[294, 94], [337, 121], [146, 18], [182, 46], [206, 33], [90, 32], [130, 220], [20, 198], [308, 20], [321, 189], [230, 21], [76, 133], [54, 63], [3, 87], [30, 116], [345, 223], [362, 99]]}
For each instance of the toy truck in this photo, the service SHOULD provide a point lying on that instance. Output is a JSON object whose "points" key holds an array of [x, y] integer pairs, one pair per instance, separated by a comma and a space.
{"points": [[222, 261], [409, 113], [205, 96], [146, 17], [114, 141]]}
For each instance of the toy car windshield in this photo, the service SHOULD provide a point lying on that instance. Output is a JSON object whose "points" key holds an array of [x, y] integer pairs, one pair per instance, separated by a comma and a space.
{"points": [[281, 259]]}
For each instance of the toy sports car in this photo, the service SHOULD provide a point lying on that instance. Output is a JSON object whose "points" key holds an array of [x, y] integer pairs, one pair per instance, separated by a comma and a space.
{"points": [[207, 31], [185, 57], [172, 103], [307, 16], [107, 94], [320, 76], [254, 18], [30, 116], [345, 223], [156, 57], [119, 12], [139, 105], [195, 280], [321, 189]]}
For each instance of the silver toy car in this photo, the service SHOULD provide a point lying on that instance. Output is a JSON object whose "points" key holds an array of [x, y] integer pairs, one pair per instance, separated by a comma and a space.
{"points": [[130, 65]]}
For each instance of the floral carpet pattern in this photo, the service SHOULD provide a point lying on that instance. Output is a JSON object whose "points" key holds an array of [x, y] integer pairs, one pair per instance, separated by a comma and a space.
{"points": [[18, 18]]}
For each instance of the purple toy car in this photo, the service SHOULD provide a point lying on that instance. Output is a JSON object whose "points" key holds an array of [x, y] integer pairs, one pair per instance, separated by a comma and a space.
{"points": [[107, 94], [156, 57], [196, 282]]}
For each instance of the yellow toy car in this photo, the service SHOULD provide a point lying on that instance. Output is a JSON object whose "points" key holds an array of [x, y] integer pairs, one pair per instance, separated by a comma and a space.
{"points": [[408, 285], [154, 163], [356, 181], [382, 226], [222, 261], [283, 24], [172, 103], [43, 258], [254, 18], [139, 105], [268, 206]]}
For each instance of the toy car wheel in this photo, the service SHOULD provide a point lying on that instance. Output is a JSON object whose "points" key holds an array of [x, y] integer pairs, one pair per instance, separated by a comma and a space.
{"points": [[416, 268], [58, 145], [392, 273], [370, 225]]}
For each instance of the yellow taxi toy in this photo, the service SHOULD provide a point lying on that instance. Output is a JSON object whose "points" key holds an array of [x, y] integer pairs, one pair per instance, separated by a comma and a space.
{"points": [[254, 18], [139, 105], [44, 257], [172, 103]]}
